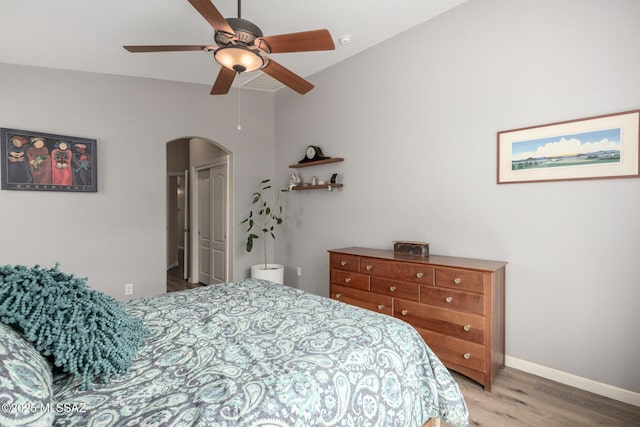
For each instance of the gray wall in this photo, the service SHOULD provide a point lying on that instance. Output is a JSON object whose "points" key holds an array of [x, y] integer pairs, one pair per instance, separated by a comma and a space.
{"points": [[118, 235], [416, 120]]}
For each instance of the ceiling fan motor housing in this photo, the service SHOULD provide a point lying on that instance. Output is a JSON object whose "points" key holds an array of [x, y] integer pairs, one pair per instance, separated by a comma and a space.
{"points": [[245, 33]]}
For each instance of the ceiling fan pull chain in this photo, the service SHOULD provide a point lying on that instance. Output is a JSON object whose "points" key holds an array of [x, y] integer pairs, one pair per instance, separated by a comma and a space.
{"points": [[239, 127], [239, 9]]}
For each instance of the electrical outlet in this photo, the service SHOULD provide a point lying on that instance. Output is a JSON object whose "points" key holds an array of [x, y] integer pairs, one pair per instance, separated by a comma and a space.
{"points": [[128, 289], [299, 271]]}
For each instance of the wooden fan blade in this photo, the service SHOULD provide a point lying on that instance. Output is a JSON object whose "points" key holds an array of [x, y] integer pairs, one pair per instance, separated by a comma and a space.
{"points": [[299, 42], [287, 77], [212, 15], [223, 82], [166, 48]]}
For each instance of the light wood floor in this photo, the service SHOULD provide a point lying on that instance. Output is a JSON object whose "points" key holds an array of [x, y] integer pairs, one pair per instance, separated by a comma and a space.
{"points": [[518, 398], [522, 399]]}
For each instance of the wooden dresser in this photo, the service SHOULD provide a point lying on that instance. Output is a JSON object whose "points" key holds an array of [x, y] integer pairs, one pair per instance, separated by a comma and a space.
{"points": [[456, 304]]}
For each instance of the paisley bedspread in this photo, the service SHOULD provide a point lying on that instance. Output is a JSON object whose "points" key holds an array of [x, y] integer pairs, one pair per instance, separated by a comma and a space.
{"points": [[253, 353]]}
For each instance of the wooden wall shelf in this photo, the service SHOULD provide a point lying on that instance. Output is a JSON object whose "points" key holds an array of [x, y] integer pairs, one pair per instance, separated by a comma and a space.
{"points": [[317, 162], [316, 187]]}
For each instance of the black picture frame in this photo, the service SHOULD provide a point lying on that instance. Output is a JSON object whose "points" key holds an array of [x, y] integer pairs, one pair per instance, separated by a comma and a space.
{"points": [[37, 161]]}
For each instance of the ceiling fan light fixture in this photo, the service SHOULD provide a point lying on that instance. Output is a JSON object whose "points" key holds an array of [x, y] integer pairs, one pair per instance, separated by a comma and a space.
{"points": [[239, 58]]}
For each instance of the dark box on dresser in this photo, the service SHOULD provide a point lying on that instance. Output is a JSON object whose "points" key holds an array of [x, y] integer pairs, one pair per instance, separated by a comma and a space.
{"points": [[402, 247]]}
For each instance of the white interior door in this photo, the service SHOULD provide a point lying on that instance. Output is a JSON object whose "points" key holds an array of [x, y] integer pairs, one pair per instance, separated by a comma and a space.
{"points": [[187, 213], [219, 219], [210, 221], [204, 226]]}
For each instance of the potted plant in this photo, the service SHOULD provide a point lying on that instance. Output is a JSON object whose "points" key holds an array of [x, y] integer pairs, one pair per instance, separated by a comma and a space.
{"points": [[265, 219]]}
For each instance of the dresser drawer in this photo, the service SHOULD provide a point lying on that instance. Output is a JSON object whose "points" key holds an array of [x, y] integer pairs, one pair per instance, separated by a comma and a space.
{"points": [[459, 352], [453, 300], [417, 273], [460, 279], [352, 280], [466, 326], [374, 302], [395, 288], [345, 262]]}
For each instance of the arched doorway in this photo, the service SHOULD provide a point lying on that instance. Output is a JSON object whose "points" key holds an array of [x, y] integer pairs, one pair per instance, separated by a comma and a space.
{"points": [[199, 213]]}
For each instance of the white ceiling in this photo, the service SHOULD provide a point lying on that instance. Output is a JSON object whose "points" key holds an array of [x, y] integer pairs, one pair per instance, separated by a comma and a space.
{"points": [[88, 35]]}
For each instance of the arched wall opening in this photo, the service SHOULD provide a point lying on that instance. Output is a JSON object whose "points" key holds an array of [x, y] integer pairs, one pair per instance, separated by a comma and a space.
{"points": [[199, 213]]}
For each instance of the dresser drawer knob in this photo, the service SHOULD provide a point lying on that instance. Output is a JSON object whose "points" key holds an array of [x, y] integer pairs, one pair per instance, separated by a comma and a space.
{"points": [[347, 280], [369, 267], [338, 296], [392, 288], [343, 263], [467, 328], [467, 356], [448, 299], [404, 312], [380, 306], [457, 280], [419, 274]]}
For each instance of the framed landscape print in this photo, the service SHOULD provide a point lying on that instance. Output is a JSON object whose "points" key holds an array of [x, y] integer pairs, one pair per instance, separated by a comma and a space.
{"points": [[595, 147], [36, 161]]}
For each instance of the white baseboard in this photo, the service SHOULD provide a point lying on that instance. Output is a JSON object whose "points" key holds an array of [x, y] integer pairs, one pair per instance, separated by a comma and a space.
{"points": [[602, 389], [172, 265]]}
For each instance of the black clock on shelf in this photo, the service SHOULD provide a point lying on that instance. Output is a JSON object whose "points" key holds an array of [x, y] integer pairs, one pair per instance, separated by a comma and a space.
{"points": [[312, 154]]}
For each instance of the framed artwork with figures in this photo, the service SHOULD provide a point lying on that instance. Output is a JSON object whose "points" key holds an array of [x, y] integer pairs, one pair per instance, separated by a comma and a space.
{"points": [[36, 161]]}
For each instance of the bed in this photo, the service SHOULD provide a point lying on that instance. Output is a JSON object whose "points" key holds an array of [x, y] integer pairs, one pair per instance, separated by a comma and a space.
{"points": [[255, 353]]}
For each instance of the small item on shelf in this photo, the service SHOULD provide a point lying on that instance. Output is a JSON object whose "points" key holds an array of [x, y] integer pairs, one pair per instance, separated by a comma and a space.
{"points": [[294, 180], [403, 247], [313, 153], [322, 182], [333, 178], [314, 180]]}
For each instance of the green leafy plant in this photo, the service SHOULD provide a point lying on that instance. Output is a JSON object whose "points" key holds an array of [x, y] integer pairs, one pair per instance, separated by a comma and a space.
{"points": [[266, 218]]}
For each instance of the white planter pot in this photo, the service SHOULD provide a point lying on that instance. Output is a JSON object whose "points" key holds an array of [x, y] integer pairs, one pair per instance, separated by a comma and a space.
{"points": [[273, 273]]}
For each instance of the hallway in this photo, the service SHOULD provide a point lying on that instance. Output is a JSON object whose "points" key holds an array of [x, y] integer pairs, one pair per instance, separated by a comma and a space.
{"points": [[175, 282]]}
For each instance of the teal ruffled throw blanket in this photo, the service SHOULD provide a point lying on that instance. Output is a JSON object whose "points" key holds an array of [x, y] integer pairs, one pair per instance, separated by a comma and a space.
{"points": [[86, 333]]}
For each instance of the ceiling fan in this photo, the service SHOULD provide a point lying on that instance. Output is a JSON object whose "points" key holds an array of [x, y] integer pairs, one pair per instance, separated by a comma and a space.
{"points": [[241, 47]]}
